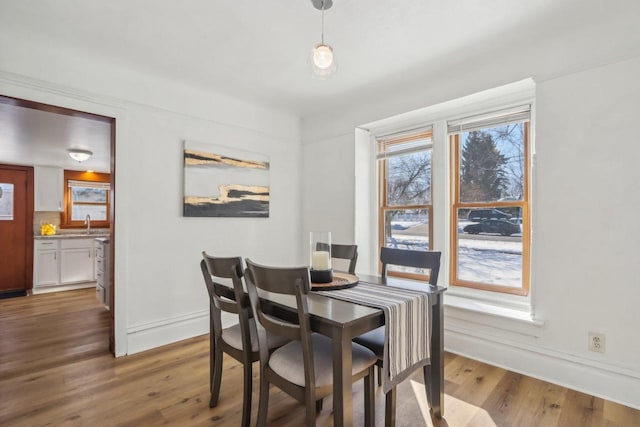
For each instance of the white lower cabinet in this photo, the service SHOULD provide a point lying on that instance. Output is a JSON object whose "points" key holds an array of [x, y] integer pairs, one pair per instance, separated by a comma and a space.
{"points": [[63, 263], [46, 263], [76, 261], [102, 271]]}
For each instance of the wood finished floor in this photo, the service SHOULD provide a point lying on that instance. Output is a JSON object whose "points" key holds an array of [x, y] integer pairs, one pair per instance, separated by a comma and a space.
{"points": [[55, 370]]}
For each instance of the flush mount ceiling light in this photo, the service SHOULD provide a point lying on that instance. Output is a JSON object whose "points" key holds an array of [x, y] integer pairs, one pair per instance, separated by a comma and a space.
{"points": [[324, 63], [79, 155]]}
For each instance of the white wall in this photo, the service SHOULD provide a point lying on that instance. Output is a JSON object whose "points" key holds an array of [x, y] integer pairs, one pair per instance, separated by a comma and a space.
{"points": [[585, 245], [328, 189], [160, 294]]}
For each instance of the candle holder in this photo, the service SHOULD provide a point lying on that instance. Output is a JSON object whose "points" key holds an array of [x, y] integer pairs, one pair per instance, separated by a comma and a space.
{"points": [[320, 256]]}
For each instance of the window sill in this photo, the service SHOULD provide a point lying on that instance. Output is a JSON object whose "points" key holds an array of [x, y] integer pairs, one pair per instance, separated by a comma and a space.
{"points": [[521, 313]]}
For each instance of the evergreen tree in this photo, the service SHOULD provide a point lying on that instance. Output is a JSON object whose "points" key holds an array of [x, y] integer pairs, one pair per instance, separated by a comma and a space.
{"points": [[482, 176]]}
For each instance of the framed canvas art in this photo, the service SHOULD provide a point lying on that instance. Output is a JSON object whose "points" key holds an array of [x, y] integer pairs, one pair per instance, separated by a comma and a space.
{"points": [[224, 182]]}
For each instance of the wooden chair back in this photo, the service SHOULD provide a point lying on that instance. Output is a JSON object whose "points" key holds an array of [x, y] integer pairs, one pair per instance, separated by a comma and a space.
{"points": [[410, 258], [293, 281], [348, 252], [226, 268]]}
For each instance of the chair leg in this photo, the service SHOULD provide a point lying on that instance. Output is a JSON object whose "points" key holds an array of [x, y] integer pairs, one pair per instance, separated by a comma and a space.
{"points": [[379, 369], [427, 383], [390, 408], [369, 399], [216, 376], [246, 398], [311, 406], [263, 402]]}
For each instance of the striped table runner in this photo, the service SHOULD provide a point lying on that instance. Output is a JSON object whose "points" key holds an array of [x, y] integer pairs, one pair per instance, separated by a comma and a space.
{"points": [[407, 326]]}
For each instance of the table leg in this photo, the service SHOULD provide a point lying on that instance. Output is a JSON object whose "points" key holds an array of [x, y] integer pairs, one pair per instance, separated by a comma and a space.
{"points": [[342, 386], [434, 373]]}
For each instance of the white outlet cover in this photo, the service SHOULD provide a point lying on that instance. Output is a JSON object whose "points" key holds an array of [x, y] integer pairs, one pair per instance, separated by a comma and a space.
{"points": [[597, 342]]}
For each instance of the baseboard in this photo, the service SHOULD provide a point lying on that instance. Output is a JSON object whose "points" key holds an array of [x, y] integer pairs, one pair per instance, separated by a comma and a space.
{"points": [[602, 380], [149, 335], [60, 288]]}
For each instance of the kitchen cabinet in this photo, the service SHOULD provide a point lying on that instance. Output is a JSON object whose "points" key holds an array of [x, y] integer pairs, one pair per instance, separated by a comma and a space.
{"points": [[48, 188], [46, 266], [61, 263], [76, 261], [102, 271]]}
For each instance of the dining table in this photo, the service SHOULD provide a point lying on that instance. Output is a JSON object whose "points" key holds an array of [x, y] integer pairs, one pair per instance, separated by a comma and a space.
{"points": [[342, 321]]}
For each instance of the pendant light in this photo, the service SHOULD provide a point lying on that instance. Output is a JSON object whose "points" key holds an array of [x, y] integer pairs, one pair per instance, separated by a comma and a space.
{"points": [[79, 155], [324, 63]]}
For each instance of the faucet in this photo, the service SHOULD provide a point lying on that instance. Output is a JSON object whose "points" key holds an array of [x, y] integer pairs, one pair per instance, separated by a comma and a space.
{"points": [[87, 222]]}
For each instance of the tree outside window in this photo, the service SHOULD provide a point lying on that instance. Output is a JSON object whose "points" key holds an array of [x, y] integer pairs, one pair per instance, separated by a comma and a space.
{"points": [[490, 244], [405, 194]]}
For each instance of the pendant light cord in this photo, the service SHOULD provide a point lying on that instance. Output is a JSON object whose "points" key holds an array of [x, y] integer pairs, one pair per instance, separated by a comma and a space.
{"points": [[322, 32]]}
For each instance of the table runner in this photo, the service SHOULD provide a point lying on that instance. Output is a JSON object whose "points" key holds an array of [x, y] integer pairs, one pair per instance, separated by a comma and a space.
{"points": [[407, 326]]}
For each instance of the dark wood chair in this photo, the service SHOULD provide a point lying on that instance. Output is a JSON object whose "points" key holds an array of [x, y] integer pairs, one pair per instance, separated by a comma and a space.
{"points": [[374, 340], [240, 340], [304, 367], [348, 252]]}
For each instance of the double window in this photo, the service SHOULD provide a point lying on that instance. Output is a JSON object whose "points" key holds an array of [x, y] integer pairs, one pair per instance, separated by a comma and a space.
{"points": [[406, 212], [489, 198]]}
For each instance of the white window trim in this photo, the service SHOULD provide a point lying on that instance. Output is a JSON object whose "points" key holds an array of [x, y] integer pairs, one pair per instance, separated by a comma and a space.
{"points": [[513, 307]]}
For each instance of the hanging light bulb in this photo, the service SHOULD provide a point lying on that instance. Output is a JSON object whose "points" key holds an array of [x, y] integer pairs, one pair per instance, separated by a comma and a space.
{"points": [[323, 56], [324, 63]]}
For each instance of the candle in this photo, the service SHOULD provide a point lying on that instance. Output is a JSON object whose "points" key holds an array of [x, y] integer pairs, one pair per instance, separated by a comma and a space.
{"points": [[320, 260]]}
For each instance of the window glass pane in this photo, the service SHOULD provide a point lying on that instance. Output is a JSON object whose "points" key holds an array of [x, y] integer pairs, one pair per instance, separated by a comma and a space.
{"points": [[96, 212], [406, 229], [6, 201], [88, 194], [489, 248], [409, 179], [492, 164]]}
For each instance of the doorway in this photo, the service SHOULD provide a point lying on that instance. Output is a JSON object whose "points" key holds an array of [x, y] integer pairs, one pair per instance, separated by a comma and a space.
{"points": [[16, 222], [21, 154]]}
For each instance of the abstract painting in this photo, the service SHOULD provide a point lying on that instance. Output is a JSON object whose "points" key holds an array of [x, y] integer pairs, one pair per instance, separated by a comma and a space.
{"points": [[224, 182]]}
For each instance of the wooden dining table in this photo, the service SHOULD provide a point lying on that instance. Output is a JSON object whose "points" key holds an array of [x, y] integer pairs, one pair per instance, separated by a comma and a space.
{"points": [[342, 321]]}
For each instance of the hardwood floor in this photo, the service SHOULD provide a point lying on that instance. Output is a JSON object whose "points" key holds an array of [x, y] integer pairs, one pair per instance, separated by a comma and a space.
{"points": [[55, 370]]}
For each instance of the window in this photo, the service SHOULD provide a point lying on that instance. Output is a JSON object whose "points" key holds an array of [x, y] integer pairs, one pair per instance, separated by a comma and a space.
{"points": [[404, 162], [490, 201], [86, 193]]}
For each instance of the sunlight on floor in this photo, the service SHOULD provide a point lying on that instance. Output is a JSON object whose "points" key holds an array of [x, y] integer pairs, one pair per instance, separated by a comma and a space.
{"points": [[457, 412]]}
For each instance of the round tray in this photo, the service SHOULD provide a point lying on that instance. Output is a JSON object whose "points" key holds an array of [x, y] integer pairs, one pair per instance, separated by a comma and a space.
{"points": [[340, 281]]}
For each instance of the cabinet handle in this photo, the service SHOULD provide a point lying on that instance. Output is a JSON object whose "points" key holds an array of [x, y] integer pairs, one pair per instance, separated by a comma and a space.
{"points": [[55, 256], [60, 205]]}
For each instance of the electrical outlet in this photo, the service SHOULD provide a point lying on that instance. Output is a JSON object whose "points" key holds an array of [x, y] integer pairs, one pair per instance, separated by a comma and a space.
{"points": [[597, 342]]}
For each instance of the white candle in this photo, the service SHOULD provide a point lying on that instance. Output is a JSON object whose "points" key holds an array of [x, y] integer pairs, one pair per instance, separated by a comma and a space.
{"points": [[320, 260]]}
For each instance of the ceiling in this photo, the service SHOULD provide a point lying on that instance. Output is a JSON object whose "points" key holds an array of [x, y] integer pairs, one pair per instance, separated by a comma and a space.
{"points": [[33, 137], [260, 51]]}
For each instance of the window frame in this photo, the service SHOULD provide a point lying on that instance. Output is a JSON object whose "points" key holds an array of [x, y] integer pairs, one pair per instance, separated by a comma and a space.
{"points": [[65, 216], [456, 204], [383, 206]]}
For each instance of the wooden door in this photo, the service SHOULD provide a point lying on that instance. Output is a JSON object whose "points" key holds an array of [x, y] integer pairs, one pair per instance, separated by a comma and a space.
{"points": [[16, 230]]}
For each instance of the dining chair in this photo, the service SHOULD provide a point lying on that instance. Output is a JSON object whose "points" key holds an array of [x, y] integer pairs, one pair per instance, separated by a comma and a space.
{"points": [[346, 252], [302, 368], [375, 339], [240, 340]]}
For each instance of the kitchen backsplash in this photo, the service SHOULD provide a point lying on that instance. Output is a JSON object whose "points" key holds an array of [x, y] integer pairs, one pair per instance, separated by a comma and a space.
{"points": [[40, 218]]}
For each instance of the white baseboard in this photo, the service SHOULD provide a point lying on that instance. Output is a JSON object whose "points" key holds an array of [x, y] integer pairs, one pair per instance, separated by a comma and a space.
{"points": [[150, 335], [602, 380], [59, 288]]}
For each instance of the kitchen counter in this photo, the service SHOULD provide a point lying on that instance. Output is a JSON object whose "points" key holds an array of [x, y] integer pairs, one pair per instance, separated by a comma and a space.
{"points": [[91, 235]]}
